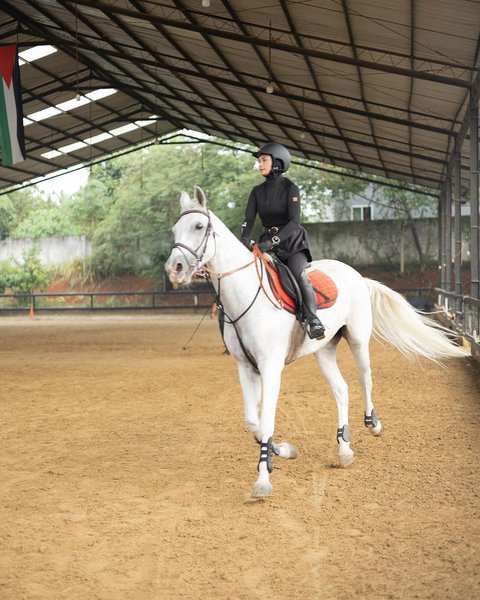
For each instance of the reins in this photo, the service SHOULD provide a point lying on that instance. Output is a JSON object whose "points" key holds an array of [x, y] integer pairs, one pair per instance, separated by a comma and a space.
{"points": [[206, 272], [209, 273], [259, 255]]}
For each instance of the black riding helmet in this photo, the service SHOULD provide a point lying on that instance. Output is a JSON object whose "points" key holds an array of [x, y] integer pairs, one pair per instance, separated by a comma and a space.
{"points": [[280, 156]]}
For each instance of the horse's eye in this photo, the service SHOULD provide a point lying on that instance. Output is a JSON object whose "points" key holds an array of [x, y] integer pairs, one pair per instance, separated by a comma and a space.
{"points": [[198, 226]]}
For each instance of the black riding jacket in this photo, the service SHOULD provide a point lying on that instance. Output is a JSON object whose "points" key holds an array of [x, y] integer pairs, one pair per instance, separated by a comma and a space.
{"points": [[277, 201]]}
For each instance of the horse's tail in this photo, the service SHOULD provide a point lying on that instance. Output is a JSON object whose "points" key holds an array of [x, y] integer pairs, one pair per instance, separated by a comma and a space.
{"points": [[411, 332]]}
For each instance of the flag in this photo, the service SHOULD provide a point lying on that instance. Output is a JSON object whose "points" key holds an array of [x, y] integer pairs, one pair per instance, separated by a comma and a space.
{"points": [[11, 115]]}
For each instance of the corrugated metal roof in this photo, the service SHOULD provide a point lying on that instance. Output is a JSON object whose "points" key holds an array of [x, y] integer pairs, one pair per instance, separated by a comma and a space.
{"points": [[379, 86]]}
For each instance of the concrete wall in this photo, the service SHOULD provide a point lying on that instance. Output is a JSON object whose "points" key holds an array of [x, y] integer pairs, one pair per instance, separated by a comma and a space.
{"points": [[358, 243], [51, 250], [367, 243]]}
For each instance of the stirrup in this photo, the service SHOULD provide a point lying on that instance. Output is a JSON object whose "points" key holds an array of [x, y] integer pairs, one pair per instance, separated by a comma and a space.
{"points": [[315, 329]]}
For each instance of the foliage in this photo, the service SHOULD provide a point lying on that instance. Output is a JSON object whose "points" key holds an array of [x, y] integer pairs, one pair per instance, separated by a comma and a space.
{"points": [[49, 220], [24, 278], [16, 207], [323, 190], [130, 203], [134, 230], [78, 273]]}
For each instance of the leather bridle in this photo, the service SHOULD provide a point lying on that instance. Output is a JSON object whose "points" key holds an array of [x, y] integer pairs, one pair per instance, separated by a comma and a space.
{"points": [[204, 241]]}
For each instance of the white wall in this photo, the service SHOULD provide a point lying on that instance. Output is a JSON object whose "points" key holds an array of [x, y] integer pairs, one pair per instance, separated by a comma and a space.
{"points": [[51, 250]]}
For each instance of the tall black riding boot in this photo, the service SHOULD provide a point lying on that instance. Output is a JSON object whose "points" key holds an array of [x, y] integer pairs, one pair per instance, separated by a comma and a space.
{"points": [[315, 328]]}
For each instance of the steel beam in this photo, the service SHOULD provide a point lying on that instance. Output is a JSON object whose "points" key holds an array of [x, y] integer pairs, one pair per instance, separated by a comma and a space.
{"points": [[442, 256], [457, 190], [448, 234], [275, 45], [474, 203]]}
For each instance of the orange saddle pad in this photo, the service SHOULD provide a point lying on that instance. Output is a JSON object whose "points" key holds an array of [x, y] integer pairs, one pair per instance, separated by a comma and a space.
{"points": [[325, 289]]}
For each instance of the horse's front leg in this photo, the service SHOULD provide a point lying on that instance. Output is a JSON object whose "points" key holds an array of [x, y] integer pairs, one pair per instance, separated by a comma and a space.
{"points": [[251, 384], [271, 378]]}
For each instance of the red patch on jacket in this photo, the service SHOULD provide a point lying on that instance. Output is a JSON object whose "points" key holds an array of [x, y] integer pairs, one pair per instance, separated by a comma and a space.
{"points": [[325, 289]]}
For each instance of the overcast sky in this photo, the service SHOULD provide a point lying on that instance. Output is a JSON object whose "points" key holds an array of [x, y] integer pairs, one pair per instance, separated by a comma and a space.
{"points": [[68, 183]]}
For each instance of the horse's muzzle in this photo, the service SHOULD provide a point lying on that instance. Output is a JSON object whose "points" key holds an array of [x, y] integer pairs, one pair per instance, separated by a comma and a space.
{"points": [[178, 272]]}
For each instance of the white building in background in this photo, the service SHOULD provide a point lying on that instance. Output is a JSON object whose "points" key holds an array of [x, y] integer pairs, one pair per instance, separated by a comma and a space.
{"points": [[370, 206]]}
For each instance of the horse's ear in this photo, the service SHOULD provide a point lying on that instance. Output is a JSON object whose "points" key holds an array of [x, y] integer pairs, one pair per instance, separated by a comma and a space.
{"points": [[199, 196], [185, 202]]}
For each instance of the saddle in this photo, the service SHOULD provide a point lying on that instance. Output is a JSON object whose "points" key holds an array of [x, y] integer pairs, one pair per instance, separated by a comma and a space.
{"points": [[287, 293]]}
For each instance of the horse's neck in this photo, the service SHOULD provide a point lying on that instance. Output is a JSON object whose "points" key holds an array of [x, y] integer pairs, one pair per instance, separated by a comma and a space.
{"points": [[229, 252], [230, 255]]}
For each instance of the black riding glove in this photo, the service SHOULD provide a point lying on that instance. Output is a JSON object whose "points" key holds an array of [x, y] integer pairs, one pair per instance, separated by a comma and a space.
{"points": [[247, 243]]}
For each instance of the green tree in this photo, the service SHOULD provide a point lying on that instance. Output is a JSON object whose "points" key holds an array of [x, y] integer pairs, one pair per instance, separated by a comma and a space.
{"points": [[133, 225], [408, 207], [15, 207], [7, 216], [47, 220], [25, 277]]}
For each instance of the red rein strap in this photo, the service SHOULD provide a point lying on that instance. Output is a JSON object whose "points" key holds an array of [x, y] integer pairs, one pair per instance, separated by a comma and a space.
{"points": [[258, 257], [225, 273]]}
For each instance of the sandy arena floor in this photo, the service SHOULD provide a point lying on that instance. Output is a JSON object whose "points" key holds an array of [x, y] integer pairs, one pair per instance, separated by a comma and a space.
{"points": [[126, 472]]}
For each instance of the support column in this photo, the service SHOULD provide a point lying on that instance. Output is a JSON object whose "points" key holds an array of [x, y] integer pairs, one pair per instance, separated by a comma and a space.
{"points": [[474, 204], [457, 173], [442, 258], [448, 234], [474, 214]]}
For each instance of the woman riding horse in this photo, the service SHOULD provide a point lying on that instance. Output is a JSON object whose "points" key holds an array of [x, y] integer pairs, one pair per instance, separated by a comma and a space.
{"points": [[277, 201]]}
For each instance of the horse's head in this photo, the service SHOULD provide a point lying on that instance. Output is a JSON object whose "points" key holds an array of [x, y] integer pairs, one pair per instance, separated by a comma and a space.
{"points": [[194, 244]]}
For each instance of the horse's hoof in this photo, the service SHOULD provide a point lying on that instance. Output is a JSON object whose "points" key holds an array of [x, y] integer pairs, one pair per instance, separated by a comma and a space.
{"points": [[285, 450], [262, 490], [377, 430], [346, 459]]}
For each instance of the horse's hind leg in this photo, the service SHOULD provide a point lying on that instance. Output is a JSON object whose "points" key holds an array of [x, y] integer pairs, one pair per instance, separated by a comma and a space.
{"points": [[327, 361], [361, 354]]}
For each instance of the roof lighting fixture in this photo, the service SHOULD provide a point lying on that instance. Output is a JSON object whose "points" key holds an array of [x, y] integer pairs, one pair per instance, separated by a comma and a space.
{"points": [[269, 88], [74, 103], [206, 3]]}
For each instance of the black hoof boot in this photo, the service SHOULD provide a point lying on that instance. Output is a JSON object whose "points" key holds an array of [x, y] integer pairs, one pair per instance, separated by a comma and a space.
{"points": [[315, 329]]}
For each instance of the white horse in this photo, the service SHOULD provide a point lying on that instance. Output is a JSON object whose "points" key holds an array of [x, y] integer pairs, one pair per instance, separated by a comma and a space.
{"points": [[263, 338]]}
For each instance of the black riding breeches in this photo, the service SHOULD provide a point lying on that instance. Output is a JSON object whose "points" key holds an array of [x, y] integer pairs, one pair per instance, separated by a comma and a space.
{"points": [[297, 263]]}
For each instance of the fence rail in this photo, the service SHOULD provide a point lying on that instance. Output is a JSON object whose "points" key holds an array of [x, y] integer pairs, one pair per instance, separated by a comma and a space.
{"points": [[94, 301], [180, 299], [463, 311]]}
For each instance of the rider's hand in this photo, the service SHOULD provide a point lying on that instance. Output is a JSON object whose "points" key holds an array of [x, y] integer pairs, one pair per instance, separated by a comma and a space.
{"points": [[267, 245]]}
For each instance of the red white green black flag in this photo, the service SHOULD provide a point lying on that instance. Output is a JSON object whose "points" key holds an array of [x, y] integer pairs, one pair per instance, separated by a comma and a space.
{"points": [[11, 115]]}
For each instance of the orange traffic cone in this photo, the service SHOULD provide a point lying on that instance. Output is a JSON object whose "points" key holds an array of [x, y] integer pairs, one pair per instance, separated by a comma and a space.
{"points": [[32, 312]]}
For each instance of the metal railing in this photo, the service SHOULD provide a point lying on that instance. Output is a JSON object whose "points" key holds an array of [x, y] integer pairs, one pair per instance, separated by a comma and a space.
{"points": [[93, 301], [463, 312]]}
